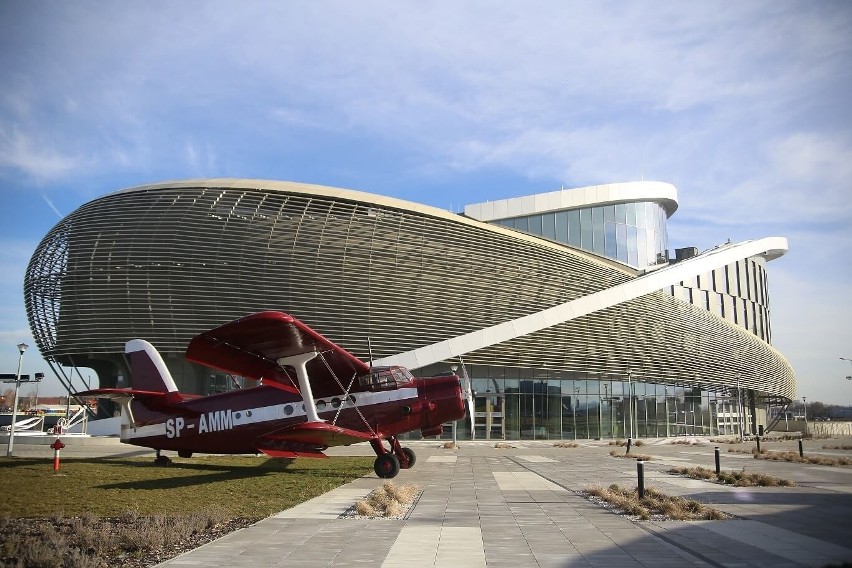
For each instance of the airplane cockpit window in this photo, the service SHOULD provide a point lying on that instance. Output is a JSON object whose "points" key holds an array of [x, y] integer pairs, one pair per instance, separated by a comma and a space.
{"points": [[383, 379]]}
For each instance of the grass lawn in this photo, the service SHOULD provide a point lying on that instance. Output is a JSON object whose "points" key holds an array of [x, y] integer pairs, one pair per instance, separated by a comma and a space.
{"points": [[232, 486]]}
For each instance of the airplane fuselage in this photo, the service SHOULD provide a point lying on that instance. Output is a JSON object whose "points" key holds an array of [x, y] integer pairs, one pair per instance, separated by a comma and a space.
{"points": [[239, 422]]}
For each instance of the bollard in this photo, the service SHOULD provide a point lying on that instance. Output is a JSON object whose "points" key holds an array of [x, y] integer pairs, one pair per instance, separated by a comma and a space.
{"points": [[629, 443], [718, 461], [801, 451], [57, 445], [640, 473], [758, 443]]}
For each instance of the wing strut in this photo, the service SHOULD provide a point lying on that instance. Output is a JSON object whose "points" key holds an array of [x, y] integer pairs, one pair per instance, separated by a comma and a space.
{"points": [[346, 396], [299, 363]]}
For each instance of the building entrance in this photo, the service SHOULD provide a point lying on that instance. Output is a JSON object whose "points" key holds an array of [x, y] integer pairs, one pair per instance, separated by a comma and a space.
{"points": [[489, 417]]}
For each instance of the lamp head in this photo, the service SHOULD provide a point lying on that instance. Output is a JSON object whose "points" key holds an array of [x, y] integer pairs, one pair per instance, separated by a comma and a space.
{"points": [[22, 347]]}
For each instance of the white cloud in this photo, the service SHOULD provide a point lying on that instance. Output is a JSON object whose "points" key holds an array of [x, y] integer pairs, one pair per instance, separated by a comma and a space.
{"points": [[35, 158]]}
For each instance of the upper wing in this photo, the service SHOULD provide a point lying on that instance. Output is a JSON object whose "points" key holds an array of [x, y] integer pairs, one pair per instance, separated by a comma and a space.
{"points": [[251, 346]]}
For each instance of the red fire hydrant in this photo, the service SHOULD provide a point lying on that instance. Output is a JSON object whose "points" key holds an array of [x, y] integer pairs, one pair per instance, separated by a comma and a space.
{"points": [[57, 445]]}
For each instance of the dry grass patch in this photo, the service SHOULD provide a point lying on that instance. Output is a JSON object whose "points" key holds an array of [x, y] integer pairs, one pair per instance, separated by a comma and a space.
{"points": [[503, 446], [726, 441], [449, 445], [793, 457], [837, 447], [92, 541], [566, 445], [621, 443], [655, 503], [643, 457], [686, 443], [735, 478], [389, 500]]}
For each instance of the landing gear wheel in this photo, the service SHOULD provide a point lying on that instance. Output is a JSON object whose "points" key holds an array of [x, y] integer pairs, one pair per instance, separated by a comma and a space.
{"points": [[412, 457], [162, 460], [386, 466], [184, 453]]}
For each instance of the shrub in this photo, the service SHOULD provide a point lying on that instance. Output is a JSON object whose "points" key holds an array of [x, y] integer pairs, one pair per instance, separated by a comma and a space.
{"points": [[388, 500]]}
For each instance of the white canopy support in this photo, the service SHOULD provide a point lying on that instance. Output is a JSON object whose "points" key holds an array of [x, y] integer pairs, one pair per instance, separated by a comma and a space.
{"points": [[299, 363]]}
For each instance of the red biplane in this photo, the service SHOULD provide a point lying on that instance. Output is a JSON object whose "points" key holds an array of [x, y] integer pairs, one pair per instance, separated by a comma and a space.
{"points": [[312, 395]]}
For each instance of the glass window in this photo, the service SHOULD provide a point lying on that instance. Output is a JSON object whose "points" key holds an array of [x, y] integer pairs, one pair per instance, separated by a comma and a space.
{"points": [[641, 215], [641, 248], [609, 213], [522, 224], [562, 226], [574, 227], [599, 232], [630, 208], [586, 232], [621, 242], [549, 226], [652, 247], [620, 213], [632, 257], [610, 247], [535, 224]]}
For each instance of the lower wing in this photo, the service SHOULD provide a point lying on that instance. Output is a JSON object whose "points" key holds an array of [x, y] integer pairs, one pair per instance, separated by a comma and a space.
{"points": [[308, 439]]}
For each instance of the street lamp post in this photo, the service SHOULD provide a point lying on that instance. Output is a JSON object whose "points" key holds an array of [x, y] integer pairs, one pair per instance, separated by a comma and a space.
{"points": [[10, 448], [574, 405], [630, 403], [805, 412], [739, 408]]}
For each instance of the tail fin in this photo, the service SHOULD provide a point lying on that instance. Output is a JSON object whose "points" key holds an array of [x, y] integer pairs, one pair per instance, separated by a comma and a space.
{"points": [[148, 370]]}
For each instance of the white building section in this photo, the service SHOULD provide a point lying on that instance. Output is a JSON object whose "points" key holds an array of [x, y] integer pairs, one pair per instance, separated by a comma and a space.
{"points": [[770, 248], [595, 195]]}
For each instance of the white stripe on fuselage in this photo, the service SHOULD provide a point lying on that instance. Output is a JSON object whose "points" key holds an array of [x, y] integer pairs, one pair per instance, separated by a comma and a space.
{"points": [[229, 418]]}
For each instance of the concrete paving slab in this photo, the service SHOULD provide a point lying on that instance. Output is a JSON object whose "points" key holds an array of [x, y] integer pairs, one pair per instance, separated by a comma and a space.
{"points": [[519, 507]]}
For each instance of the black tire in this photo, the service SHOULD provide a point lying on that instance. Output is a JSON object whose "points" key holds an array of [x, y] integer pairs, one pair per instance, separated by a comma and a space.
{"points": [[184, 454], [412, 457], [386, 466]]}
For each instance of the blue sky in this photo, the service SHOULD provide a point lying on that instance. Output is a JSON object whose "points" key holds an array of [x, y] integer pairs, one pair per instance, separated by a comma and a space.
{"points": [[745, 107]]}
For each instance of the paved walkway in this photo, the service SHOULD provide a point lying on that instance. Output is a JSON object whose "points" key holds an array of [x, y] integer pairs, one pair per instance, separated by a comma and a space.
{"points": [[519, 507]]}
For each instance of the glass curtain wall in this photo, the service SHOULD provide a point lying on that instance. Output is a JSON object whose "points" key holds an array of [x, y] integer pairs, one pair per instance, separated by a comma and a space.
{"points": [[632, 233], [526, 404]]}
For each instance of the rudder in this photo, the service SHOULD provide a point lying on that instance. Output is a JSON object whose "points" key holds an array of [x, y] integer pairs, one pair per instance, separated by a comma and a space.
{"points": [[148, 371]]}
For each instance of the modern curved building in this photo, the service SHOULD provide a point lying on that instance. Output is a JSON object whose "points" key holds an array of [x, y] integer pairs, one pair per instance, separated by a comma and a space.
{"points": [[563, 308]]}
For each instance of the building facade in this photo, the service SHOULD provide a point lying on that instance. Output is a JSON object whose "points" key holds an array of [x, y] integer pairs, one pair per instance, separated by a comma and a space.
{"points": [[562, 308]]}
